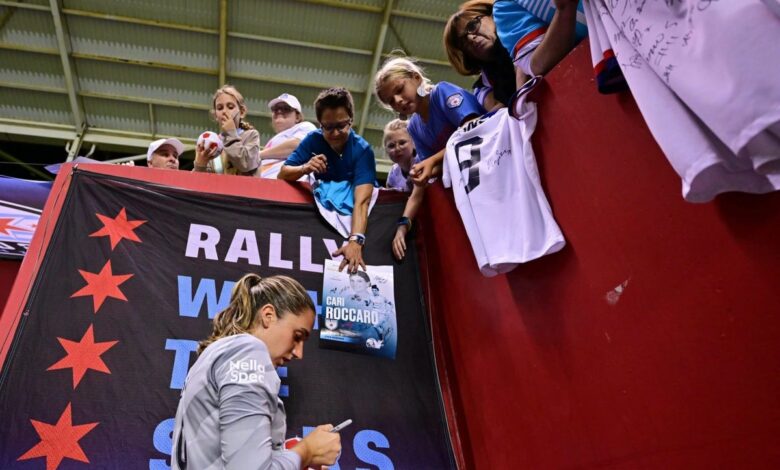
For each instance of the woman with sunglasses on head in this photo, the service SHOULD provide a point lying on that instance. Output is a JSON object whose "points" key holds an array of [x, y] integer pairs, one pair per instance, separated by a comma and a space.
{"points": [[506, 43], [287, 121], [335, 153]]}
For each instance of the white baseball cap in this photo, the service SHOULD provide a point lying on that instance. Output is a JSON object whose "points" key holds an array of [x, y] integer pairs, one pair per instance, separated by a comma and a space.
{"points": [[159, 143], [286, 98]]}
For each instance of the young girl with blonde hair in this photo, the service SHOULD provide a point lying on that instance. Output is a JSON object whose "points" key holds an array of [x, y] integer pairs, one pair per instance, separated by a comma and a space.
{"points": [[434, 112], [241, 153]]}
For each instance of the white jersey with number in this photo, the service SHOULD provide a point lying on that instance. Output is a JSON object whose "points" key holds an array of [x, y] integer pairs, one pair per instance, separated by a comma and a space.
{"points": [[491, 168]]}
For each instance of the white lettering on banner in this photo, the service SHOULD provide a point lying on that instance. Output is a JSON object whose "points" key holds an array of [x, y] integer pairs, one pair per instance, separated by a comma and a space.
{"points": [[275, 253], [203, 239], [306, 264], [195, 241], [241, 239]]}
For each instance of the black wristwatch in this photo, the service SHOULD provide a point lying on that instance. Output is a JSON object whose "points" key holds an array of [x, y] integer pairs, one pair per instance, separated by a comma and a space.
{"points": [[405, 221]]}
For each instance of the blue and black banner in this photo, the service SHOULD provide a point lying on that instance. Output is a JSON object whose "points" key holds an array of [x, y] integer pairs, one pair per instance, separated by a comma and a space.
{"points": [[128, 284]]}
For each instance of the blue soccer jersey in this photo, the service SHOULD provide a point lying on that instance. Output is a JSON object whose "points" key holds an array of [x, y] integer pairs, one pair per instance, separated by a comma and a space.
{"points": [[449, 106]]}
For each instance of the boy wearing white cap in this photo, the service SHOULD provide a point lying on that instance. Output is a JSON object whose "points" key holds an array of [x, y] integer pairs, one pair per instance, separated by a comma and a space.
{"points": [[164, 153], [287, 121]]}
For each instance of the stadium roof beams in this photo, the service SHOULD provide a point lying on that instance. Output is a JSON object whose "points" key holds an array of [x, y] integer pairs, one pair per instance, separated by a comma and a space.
{"points": [[123, 72]]}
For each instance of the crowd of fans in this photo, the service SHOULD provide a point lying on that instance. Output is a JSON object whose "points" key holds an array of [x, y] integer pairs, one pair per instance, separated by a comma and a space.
{"points": [[336, 156], [503, 42]]}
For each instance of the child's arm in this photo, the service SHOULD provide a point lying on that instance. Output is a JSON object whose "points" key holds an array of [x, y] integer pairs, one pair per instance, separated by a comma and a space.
{"points": [[410, 212], [430, 167], [203, 159]]}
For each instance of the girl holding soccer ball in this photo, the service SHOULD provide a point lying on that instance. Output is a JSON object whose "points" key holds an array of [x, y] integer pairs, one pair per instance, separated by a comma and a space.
{"points": [[241, 141]]}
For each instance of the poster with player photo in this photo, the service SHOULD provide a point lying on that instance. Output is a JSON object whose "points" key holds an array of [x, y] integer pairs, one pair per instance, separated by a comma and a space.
{"points": [[358, 312]]}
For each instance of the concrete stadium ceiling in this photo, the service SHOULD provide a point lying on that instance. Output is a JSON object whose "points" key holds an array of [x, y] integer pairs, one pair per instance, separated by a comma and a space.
{"points": [[120, 73]]}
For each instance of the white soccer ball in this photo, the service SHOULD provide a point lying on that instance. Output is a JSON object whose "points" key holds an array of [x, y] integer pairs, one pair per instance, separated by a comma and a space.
{"points": [[211, 140]]}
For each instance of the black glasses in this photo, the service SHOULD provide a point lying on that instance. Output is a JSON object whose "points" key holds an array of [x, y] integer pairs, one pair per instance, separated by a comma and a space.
{"points": [[338, 126], [472, 27]]}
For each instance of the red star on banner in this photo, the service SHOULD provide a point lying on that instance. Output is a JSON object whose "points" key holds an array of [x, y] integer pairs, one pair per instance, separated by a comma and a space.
{"points": [[5, 226], [101, 285], [59, 441], [118, 228], [83, 355]]}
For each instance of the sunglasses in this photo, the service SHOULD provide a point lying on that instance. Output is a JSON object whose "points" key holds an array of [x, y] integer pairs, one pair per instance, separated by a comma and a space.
{"points": [[338, 126], [472, 27], [282, 110]]}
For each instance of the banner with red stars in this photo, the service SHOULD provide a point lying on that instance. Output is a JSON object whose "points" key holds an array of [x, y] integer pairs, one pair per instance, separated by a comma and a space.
{"points": [[126, 285]]}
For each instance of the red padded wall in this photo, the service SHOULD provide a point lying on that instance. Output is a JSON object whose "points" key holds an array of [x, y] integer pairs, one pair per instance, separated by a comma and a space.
{"points": [[682, 371]]}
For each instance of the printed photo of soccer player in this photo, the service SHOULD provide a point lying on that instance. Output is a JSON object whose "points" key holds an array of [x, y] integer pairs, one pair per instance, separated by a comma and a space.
{"points": [[359, 283], [358, 316], [360, 296]]}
